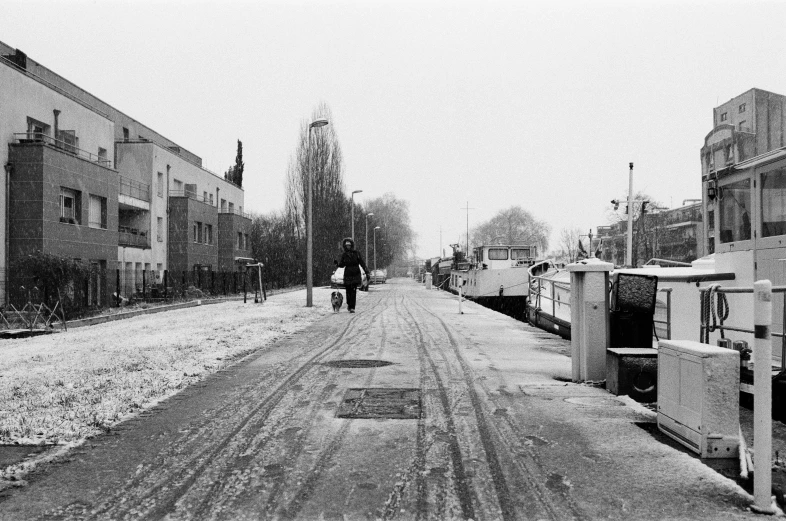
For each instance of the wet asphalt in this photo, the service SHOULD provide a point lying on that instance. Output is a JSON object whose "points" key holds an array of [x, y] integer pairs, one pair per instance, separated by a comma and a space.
{"points": [[471, 417]]}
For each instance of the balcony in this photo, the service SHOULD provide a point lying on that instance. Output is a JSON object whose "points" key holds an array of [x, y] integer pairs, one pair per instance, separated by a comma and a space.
{"points": [[133, 238], [133, 194], [190, 195], [234, 212], [68, 147]]}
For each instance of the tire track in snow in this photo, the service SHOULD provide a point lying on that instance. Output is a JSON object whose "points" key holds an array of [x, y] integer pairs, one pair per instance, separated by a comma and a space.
{"points": [[251, 443], [306, 488], [460, 481], [189, 472], [534, 477]]}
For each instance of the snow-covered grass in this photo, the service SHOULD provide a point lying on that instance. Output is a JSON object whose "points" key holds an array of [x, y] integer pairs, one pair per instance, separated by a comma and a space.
{"points": [[65, 387]]}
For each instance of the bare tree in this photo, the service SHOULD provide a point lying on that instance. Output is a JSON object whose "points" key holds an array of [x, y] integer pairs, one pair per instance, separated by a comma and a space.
{"points": [[513, 225], [324, 158], [395, 239], [568, 247]]}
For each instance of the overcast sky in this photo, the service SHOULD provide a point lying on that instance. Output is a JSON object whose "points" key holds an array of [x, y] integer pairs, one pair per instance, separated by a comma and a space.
{"points": [[541, 104]]}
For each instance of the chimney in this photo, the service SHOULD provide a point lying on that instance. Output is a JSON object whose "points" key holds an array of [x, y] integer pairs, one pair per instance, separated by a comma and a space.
{"points": [[57, 126]]}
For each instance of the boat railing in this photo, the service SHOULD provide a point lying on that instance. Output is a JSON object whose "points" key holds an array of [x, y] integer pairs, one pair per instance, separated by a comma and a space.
{"points": [[714, 310], [543, 297], [659, 262], [536, 295]]}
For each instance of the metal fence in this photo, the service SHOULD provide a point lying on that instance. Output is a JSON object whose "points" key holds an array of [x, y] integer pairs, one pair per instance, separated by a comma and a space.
{"points": [[151, 285]]}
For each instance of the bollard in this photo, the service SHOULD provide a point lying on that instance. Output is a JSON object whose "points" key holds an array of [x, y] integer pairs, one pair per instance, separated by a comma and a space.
{"points": [[762, 397], [460, 285], [589, 318]]}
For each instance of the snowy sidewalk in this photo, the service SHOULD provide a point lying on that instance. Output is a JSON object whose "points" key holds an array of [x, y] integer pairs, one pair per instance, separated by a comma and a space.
{"points": [[404, 410]]}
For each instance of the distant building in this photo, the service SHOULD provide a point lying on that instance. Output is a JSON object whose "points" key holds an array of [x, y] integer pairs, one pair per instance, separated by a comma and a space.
{"points": [[743, 167], [86, 181], [675, 234]]}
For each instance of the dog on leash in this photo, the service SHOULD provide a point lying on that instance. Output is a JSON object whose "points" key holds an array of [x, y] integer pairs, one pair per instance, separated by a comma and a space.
{"points": [[337, 300]]}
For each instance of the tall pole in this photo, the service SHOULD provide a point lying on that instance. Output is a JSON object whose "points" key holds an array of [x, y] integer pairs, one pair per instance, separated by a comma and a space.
{"points": [[309, 231], [467, 208], [309, 222], [367, 216], [375, 247], [629, 252], [352, 202]]}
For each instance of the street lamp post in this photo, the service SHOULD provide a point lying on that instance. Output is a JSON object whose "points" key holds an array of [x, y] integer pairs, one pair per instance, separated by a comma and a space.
{"points": [[352, 199], [309, 223], [375, 247], [367, 216], [629, 251]]}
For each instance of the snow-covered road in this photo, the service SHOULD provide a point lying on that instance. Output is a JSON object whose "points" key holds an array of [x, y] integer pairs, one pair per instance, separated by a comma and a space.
{"points": [[471, 418]]}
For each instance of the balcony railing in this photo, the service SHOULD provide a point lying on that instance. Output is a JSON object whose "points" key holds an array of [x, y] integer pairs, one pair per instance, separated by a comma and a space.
{"points": [[235, 212], [134, 189], [69, 148], [133, 237], [191, 195]]}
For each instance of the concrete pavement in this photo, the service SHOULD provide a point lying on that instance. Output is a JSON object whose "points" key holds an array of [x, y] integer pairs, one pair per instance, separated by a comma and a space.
{"points": [[500, 434]]}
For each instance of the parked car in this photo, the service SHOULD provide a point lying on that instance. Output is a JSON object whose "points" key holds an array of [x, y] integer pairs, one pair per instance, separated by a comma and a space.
{"points": [[378, 277], [337, 279]]}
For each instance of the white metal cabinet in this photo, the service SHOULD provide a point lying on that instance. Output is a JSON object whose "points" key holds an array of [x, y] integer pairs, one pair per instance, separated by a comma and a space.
{"points": [[698, 396]]}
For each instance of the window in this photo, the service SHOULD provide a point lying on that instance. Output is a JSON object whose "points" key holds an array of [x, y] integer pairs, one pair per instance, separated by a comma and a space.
{"points": [[97, 214], [520, 253], [160, 184], [735, 203], [211, 199], [101, 154], [204, 196], [160, 229], [223, 204], [239, 240], [208, 234], [159, 271], [231, 207], [742, 108], [70, 206], [498, 254], [125, 134], [198, 228], [773, 203], [742, 125], [36, 129], [724, 116], [711, 219], [178, 186]]}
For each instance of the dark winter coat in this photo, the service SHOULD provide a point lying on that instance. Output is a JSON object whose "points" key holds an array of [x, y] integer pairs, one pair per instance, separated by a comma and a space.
{"points": [[351, 261]]}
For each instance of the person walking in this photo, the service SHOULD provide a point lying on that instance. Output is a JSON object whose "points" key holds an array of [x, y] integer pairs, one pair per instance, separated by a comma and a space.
{"points": [[351, 261]]}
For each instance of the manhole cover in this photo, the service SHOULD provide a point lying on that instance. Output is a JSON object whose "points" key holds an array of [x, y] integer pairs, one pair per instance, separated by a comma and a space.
{"points": [[397, 404], [595, 401], [357, 364]]}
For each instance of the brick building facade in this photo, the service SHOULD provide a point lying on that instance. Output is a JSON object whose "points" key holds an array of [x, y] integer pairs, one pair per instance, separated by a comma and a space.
{"points": [[86, 181]]}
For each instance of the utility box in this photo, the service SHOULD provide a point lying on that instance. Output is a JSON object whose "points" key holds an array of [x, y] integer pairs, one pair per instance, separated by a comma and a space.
{"points": [[698, 397]]}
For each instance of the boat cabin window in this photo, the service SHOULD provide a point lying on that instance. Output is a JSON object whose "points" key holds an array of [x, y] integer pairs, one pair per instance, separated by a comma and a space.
{"points": [[773, 203], [735, 204], [498, 254], [520, 253]]}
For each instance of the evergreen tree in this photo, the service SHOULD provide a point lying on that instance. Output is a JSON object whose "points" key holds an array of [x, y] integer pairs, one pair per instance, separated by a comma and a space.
{"points": [[237, 174]]}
